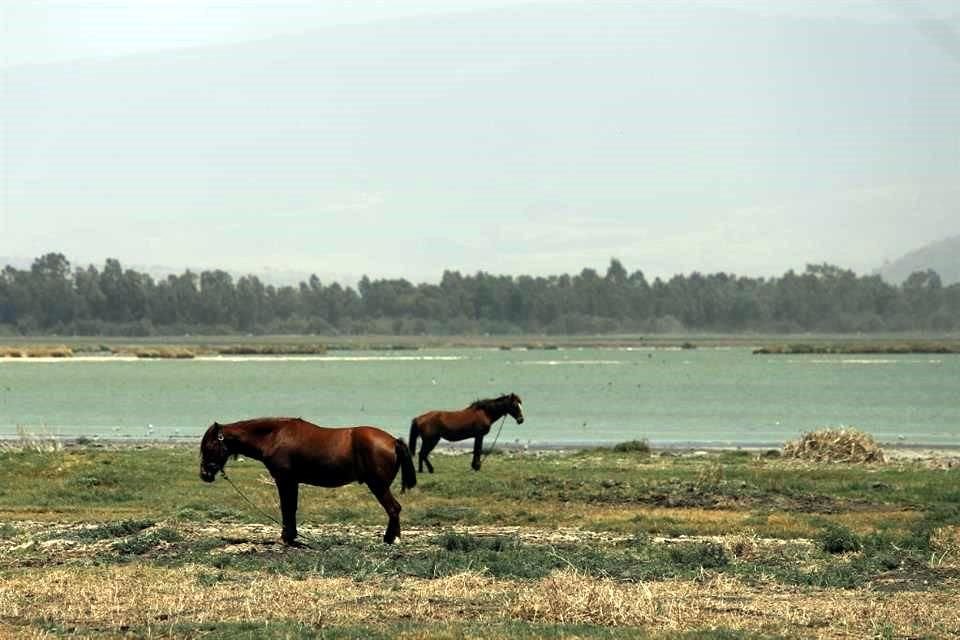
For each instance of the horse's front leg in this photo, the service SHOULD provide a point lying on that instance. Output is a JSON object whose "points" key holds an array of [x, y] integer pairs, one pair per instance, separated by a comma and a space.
{"points": [[288, 490], [477, 449]]}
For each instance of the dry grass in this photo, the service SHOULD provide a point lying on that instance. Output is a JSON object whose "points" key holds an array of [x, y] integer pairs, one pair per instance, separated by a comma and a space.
{"points": [[835, 445], [141, 595], [136, 596], [679, 605], [945, 542]]}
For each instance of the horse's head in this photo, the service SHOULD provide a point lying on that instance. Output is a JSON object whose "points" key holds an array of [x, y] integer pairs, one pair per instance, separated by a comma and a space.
{"points": [[213, 453], [515, 408]]}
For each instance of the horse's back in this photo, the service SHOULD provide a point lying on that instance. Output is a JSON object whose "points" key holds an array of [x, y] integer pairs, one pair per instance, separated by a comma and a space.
{"points": [[347, 454], [442, 418], [372, 440], [452, 425], [340, 440]]}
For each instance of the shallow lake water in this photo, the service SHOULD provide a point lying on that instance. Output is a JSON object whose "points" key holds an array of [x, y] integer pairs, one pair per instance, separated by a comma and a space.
{"points": [[700, 396]]}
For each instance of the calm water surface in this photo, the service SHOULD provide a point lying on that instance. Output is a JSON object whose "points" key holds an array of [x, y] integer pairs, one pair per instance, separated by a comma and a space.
{"points": [[704, 396]]}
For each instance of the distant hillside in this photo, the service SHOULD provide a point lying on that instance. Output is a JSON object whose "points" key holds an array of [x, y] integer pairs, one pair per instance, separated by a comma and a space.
{"points": [[942, 256]]}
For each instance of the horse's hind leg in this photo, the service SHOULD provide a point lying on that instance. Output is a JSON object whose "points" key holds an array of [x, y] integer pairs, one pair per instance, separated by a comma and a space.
{"points": [[392, 507], [425, 449]]}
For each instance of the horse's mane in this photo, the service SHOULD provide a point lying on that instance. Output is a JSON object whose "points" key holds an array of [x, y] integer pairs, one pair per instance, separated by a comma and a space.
{"points": [[254, 426], [489, 403]]}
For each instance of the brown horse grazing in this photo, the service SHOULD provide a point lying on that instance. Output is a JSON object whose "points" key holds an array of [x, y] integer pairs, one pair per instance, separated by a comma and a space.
{"points": [[295, 451], [472, 422]]}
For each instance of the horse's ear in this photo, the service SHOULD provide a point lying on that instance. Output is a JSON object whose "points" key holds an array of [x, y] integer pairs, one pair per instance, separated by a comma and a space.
{"points": [[216, 425]]}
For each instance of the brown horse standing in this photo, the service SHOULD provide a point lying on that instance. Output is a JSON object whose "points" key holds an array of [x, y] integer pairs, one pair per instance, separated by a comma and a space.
{"points": [[472, 422], [295, 451]]}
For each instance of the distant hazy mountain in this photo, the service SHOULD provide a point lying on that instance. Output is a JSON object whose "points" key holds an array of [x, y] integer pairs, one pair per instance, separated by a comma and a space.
{"points": [[942, 256]]}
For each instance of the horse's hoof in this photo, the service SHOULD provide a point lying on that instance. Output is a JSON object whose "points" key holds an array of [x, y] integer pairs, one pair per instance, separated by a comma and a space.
{"points": [[389, 539], [296, 544]]}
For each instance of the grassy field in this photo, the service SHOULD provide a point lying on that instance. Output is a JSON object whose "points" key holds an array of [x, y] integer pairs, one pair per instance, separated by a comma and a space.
{"points": [[128, 542]]}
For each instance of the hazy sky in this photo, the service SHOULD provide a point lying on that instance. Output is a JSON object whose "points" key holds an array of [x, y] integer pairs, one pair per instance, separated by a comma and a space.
{"points": [[36, 31], [401, 138]]}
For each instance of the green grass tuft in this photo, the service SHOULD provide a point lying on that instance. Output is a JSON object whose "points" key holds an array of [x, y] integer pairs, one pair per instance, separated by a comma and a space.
{"points": [[633, 446], [836, 538], [705, 555]]}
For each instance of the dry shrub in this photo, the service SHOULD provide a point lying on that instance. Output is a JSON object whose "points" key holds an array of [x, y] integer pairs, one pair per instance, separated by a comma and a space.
{"points": [[742, 546], [835, 445]]}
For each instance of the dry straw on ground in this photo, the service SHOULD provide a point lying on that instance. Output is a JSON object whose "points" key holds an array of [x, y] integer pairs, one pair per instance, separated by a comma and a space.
{"points": [[835, 445], [945, 546], [134, 596]]}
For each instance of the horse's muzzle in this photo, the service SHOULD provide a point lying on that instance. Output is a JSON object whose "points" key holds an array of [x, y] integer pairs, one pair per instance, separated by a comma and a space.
{"points": [[206, 476], [520, 420]]}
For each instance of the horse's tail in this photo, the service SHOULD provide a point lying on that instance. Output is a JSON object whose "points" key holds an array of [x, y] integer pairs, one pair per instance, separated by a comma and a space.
{"points": [[414, 432], [408, 475]]}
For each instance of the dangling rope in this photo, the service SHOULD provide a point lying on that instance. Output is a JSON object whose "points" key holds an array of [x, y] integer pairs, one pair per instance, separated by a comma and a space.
{"points": [[502, 419], [264, 513], [249, 502]]}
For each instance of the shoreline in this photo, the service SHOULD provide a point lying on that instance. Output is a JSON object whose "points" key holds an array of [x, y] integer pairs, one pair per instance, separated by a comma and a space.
{"points": [[895, 451], [195, 346]]}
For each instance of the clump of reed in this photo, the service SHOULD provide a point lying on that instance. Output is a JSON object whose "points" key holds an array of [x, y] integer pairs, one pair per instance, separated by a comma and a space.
{"points": [[835, 445], [29, 440], [169, 353], [271, 349], [37, 351], [864, 348]]}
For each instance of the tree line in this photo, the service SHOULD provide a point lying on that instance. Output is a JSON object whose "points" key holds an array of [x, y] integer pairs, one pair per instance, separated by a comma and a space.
{"points": [[52, 297]]}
